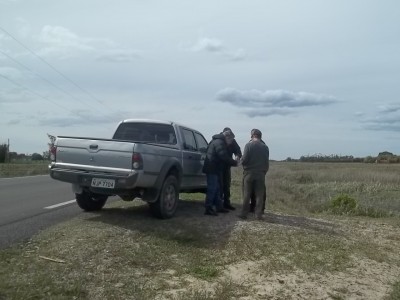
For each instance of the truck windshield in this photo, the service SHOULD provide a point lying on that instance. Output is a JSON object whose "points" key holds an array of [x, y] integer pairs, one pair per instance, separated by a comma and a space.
{"points": [[146, 132]]}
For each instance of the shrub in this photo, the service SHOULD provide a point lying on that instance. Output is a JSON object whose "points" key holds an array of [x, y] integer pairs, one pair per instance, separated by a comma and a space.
{"points": [[37, 156], [344, 204]]}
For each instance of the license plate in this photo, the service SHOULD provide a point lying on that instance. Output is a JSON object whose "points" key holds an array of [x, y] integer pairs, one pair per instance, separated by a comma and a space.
{"points": [[103, 183]]}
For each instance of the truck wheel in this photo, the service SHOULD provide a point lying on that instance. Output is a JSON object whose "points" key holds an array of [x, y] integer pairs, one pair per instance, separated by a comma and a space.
{"points": [[89, 201], [165, 206]]}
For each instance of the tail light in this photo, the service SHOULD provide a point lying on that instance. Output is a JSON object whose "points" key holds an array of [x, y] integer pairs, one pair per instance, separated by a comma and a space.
{"points": [[137, 161], [53, 150]]}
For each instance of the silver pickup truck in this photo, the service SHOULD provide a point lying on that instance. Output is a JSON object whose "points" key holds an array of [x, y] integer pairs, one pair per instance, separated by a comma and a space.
{"points": [[147, 159]]}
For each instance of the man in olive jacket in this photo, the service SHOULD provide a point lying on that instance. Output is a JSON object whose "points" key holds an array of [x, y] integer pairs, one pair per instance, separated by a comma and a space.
{"points": [[255, 162], [216, 158]]}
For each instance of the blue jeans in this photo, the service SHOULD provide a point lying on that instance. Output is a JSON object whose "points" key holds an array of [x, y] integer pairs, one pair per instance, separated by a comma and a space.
{"points": [[213, 196]]}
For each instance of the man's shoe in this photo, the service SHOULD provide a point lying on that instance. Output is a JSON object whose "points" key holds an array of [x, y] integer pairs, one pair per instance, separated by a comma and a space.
{"points": [[222, 210], [210, 212], [242, 217], [229, 206], [260, 218]]}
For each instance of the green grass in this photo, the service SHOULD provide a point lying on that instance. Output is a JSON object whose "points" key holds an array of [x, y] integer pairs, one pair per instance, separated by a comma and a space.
{"points": [[206, 272], [395, 292], [310, 187], [122, 252], [24, 169]]}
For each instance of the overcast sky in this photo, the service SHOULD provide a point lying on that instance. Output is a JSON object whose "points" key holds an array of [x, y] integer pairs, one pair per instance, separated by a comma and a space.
{"points": [[314, 76]]}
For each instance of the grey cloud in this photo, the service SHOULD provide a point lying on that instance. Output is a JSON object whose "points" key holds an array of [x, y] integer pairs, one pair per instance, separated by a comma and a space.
{"points": [[382, 125], [118, 56], [217, 46], [14, 95], [389, 108], [63, 43], [359, 113], [387, 118], [9, 72], [4, 37], [273, 98], [24, 28], [239, 54], [13, 122], [80, 118], [268, 112], [208, 44]]}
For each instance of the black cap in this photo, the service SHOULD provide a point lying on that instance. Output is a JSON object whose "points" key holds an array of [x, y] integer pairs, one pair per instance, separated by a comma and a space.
{"points": [[226, 129], [228, 134]]}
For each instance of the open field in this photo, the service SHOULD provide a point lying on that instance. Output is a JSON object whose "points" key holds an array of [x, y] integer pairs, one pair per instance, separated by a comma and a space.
{"points": [[24, 169], [309, 247]]}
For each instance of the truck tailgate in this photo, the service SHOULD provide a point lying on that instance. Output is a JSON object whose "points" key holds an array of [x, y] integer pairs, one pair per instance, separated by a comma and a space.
{"points": [[101, 153]]}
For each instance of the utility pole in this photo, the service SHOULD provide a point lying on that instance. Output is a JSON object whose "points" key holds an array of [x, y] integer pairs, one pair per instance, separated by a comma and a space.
{"points": [[8, 151]]}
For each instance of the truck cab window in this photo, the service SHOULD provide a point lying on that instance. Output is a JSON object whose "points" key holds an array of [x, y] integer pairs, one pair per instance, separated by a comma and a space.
{"points": [[146, 132], [201, 142], [188, 139]]}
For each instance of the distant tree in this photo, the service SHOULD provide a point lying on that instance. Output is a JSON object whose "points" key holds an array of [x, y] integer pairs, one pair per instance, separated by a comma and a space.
{"points": [[3, 153], [37, 156], [385, 153], [370, 159]]}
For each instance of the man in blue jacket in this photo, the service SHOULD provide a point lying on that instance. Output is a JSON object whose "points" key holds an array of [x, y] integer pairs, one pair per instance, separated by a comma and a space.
{"points": [[216, 158]]}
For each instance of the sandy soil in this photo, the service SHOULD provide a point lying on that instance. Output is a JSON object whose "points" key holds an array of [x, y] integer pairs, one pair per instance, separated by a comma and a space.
{"points": [[366, 279]]}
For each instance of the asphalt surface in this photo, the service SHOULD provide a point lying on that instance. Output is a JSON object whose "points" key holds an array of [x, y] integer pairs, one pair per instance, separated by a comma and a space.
{"points": [[31, 204]]}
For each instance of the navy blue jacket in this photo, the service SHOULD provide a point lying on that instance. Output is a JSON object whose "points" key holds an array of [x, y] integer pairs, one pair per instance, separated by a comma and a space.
{"points": [[217, 156]]}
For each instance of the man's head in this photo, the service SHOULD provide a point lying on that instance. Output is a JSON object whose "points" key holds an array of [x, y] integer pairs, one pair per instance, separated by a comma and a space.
{"points": [[255, 133], [229, 136]]}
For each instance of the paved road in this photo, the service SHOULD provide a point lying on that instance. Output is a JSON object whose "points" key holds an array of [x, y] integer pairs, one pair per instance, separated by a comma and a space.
{"points": [[30, 204]]}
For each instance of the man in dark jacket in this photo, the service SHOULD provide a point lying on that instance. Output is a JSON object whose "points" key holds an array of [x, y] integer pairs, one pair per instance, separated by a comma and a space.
{"points": [[225, 191], [216, 158], [255, 162]]}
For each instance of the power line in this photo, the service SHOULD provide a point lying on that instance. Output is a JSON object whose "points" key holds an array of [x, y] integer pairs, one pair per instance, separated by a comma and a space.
{"points": [[33, 92], [53, 68], [44, 79], [43, 97]]}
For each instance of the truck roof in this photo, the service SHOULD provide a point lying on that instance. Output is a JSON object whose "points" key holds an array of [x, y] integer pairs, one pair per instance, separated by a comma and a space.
{"points": [[146, 121]]}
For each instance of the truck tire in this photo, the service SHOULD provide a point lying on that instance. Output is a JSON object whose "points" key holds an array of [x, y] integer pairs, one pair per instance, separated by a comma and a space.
{"points": [[90, 201], [167, 202]]}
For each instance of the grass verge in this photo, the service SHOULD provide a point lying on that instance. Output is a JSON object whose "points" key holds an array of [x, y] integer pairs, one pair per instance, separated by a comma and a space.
{"points": [[24, 169], [299, 252]]}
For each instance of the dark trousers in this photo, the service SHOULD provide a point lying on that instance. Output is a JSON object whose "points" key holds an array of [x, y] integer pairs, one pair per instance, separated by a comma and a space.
{"points": [[253, 200], [225, 184], [213, 195], [253, 183]]}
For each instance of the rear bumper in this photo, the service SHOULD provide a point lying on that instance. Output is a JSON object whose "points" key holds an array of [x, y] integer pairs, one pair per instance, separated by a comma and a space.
{"points": [[84, 178]]}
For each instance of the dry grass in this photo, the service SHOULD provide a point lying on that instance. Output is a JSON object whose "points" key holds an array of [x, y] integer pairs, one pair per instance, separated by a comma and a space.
{"points": [[302, 251]]}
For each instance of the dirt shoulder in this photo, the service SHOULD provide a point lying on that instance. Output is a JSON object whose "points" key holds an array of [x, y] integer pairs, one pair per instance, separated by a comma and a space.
{"points": [[124, 253]]}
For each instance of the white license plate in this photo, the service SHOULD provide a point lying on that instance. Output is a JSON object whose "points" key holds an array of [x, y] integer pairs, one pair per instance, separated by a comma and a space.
{"points": [[103, 183]]}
